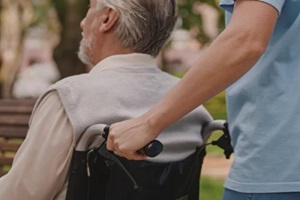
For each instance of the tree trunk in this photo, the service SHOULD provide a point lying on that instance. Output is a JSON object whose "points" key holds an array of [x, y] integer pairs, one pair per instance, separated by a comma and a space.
{"points": [[14, 17], [66, 53]]}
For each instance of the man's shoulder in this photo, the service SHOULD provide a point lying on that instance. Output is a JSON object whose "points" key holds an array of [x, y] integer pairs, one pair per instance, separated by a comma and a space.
{"points": [[81, 82], [105, 77], [71, 79]]}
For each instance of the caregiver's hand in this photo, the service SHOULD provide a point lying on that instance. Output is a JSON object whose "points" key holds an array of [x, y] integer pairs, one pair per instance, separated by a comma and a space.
{"points": [[127, 137]]}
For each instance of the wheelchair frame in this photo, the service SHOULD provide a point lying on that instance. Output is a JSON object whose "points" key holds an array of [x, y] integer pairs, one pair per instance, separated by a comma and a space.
{"points": [[87, 182]]}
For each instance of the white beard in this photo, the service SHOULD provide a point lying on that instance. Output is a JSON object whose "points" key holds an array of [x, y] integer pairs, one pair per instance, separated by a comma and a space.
{"points": [[83, 55]]}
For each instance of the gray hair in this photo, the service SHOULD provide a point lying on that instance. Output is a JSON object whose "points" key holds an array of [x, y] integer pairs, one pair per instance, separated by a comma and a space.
{"points": [[144, 25]]}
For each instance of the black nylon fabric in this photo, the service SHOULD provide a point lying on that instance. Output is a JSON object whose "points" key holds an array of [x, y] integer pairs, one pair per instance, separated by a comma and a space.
{"points": [[159, 181]]}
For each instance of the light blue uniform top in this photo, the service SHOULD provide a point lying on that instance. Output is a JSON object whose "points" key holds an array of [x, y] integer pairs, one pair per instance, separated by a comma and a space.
{"points": [[264, 111]]}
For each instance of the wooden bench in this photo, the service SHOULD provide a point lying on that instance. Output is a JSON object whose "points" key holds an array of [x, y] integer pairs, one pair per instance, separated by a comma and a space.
{"points": [[14, 118]]}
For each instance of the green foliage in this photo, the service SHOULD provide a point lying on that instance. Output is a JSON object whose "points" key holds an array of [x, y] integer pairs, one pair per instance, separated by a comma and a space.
{"points": [[40, 12], [190, 19], [217, 106]]}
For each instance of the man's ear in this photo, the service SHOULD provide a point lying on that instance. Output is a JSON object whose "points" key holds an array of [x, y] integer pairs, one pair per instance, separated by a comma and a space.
{"points": [[109, 20]]}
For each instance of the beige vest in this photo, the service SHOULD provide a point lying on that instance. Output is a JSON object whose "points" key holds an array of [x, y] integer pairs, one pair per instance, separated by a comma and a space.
{"points": [[125, 92]]}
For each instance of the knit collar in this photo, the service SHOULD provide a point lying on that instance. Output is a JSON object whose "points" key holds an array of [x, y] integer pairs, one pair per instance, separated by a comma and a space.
{"points": [[117, 61]]}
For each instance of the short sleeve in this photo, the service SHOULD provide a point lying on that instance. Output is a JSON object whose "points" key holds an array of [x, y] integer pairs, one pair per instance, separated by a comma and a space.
{"points": [[278, 4], [227, 5]]}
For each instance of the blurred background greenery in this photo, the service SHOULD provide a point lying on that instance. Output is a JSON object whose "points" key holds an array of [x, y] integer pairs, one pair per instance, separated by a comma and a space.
{"points": [[211, 189]]}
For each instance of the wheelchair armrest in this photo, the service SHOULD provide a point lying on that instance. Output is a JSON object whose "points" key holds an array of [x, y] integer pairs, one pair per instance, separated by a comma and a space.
{"points": [[211, 127], [91, 137]]}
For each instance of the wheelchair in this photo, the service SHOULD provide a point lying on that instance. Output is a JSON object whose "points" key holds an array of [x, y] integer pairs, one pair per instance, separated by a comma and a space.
{"points": [[98, 174]]}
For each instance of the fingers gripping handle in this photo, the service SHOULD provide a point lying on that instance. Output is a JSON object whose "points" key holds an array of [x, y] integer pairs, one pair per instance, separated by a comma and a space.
{"points": [[152, 149]]}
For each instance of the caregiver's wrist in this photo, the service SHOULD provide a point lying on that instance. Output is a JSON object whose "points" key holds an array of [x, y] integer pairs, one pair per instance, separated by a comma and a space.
{"points": [[156, 122]]}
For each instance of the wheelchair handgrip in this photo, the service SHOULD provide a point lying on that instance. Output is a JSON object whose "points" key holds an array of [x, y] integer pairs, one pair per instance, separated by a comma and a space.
{"points": [[152, 149]]}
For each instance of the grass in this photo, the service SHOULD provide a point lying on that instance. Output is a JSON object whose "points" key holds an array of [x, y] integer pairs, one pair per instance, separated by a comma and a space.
{"points": [[211, 189]]}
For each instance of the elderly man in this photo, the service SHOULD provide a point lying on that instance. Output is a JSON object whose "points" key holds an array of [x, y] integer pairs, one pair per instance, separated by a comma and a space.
{"points": [[120, 40]]}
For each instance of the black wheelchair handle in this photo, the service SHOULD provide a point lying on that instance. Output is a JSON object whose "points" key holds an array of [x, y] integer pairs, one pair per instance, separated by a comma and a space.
{"points": [[152, 149]]}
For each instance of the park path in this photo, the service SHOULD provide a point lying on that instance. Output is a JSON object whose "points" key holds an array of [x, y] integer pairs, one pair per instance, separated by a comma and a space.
{"points": [[216, 166]]}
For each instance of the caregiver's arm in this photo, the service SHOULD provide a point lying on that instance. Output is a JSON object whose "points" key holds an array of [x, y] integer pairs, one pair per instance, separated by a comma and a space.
{"points": [[228, 58]]}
